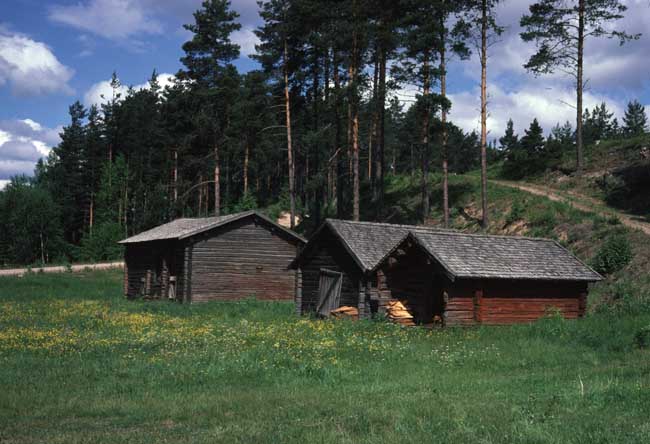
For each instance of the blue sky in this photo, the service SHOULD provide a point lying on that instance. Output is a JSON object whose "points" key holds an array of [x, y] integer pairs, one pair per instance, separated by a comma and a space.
{"points": [[55, 52]]}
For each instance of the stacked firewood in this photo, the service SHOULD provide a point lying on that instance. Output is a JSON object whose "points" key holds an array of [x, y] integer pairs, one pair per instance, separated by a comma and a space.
{"points": [[397, 312], [345, 312]]}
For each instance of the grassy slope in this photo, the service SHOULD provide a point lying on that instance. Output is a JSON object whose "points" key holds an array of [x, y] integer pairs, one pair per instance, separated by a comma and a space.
{"points": [[80, 364], [617, 172]]}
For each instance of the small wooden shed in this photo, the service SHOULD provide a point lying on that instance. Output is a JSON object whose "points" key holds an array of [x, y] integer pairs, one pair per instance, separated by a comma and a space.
{"points": [[215, 258], [457, 277]]}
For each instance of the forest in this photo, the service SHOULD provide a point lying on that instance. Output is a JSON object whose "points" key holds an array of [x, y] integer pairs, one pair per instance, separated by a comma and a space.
{"points": [[315, 131]]}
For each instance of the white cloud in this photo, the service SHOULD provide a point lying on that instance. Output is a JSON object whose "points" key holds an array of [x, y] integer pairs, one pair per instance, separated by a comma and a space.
{"points": [[94, 94], [247, 40], [111, 19], [22, 143], [3, 184], [30, 67], [536, 100]]}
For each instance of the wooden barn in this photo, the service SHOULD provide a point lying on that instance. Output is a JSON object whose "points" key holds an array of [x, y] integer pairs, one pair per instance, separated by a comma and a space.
{"points": [[443, 275], [215, 258]]}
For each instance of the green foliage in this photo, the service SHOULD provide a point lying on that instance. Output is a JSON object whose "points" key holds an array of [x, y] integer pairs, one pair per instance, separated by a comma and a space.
{"points": [[516, 212], [642, 337], [30, 228], [613, 255], [636, 121], [528, 156], [101, 244], [247, 202]]}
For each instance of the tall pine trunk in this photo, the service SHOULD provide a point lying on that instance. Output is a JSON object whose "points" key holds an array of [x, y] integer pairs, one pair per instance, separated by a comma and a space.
{"points": [[287, 106], [354, 106], [338, 166], [217, 183], [246, 154], [484, 201], [426, 85], [579, 85], [175, 177], [380, 151], [443, 123]]}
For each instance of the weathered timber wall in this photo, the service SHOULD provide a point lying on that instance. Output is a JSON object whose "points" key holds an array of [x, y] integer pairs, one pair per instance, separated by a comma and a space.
{"points": [[243, 259], [508, 302], [327, 252]]}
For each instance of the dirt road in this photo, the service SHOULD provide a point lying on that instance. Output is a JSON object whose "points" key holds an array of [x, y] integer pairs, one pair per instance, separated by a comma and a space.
{"points": [[584, 203], [61, 269]]}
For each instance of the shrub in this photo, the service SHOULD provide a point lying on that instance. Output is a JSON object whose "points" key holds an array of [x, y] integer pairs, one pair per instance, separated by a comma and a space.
{"points": [[102, 244], [516, 212], [613, 255], [642, 337]]}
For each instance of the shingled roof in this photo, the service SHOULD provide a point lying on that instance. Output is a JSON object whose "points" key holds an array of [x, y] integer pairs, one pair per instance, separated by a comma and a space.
{"points": [[187, 227], [503, 257], [463, 255]]}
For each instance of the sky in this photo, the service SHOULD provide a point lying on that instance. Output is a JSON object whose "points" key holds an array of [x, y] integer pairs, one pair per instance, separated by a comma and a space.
{"points": [[55, 52]]}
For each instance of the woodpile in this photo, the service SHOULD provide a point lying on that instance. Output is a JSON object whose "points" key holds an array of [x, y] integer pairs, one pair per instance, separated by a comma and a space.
{"points": [[345, 312], [397, 312]]}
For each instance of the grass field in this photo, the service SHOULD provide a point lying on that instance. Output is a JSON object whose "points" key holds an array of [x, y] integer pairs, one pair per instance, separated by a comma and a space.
{"points": [[78, 363]]}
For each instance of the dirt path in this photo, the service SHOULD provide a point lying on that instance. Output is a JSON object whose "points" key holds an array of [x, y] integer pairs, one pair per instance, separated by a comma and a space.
{"points": [[584, 203], [61, 269]]}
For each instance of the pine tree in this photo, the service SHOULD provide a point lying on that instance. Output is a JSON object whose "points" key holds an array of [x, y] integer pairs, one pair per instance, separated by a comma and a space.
{"points": [[481, 21], [635, 120], [208, 64], [560, 29]]}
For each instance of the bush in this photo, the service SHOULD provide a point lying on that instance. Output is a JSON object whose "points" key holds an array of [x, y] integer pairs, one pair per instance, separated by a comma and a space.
{"points": [[613, 255], [516, 212], [642, 337], [103, 243]]}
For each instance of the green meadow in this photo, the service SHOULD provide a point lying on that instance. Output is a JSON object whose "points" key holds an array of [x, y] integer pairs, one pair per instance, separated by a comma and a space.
{"points": [[80, 364]]}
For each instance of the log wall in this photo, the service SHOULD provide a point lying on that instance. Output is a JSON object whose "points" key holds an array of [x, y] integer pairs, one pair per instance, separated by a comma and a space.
{"points": [[246, 258], [508, 302]]}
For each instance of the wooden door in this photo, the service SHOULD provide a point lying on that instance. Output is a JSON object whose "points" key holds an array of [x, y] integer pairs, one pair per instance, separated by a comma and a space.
{"points": [[329, 291]]}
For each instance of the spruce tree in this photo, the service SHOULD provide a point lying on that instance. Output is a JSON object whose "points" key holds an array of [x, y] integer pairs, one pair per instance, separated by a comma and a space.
{"points": [[635, 120]]}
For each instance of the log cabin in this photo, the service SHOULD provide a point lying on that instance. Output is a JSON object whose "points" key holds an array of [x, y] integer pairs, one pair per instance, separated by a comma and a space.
{"points": [[216, 258], [446, 275]]}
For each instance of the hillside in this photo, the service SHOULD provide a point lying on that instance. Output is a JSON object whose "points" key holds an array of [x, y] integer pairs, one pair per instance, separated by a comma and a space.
{"points": [[617, 175]]}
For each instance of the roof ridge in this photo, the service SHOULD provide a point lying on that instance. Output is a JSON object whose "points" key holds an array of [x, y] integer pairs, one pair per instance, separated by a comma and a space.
{"points": [[497, 236], [388, 224], [441, 230]]}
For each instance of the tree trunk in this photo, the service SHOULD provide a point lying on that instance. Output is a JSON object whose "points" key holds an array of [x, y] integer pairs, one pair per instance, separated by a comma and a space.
{"points": [[579, 86], [175, 176], [91, 218], [355, 129], [484, 202], [443, 123], [290, 161], [246, 167], [201, 190], [217, 182], [374, 124], [426, 85], [337, 189], [380, 151]]}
